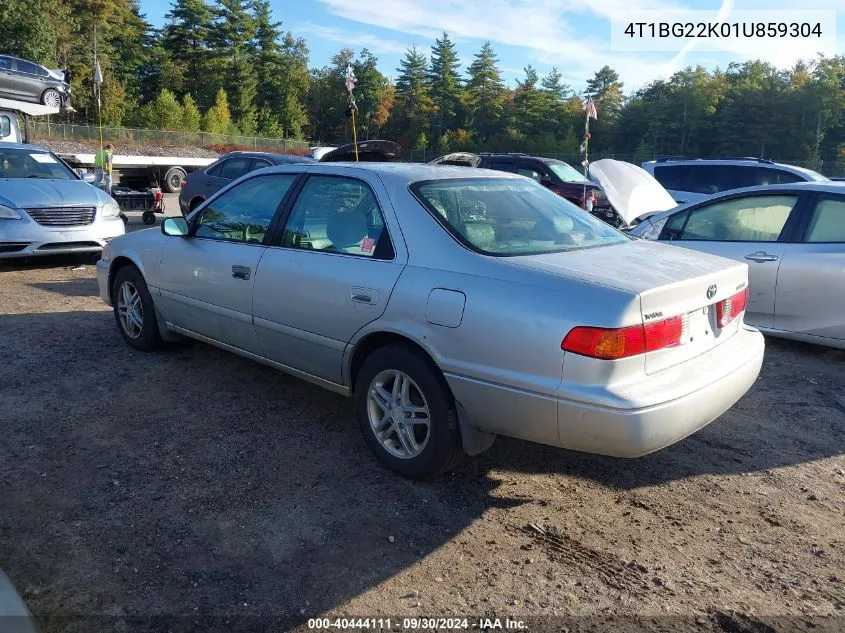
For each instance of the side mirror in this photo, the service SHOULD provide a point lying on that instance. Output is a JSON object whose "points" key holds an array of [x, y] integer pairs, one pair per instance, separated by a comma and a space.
{"points": [[176, 227], [545, 180], [86, 175]]}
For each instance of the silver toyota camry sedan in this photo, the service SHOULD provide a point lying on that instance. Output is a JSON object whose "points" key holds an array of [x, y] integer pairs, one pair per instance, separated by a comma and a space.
{"points": [[452, 305]]}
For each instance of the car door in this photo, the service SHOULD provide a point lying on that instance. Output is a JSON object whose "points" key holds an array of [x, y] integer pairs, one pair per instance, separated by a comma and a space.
{"points": [[333, 271], [7, 76], [207, 278], [745, 228], [810, 295]]}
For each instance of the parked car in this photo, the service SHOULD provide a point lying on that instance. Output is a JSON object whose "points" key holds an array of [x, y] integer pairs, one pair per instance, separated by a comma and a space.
{"points": [[202, 183], [23, 80], [452, 305], [556, 175], [369, 151], [47, 208], [695, 179], [793, 239]]}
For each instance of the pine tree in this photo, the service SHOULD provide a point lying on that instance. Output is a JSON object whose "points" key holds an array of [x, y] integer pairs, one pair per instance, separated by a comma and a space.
{"points": [[186, 40], [413, 102], [445, 84], [232, 35], [218, 119], [191, 117], [528, 104], [486, 94]]}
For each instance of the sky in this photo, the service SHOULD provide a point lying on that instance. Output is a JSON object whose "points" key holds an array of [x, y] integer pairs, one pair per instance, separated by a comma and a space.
{"points": [[574, 35]]}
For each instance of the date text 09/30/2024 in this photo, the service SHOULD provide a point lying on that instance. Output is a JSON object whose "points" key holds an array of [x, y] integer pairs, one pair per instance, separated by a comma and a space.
{"points": [[417, 624]]}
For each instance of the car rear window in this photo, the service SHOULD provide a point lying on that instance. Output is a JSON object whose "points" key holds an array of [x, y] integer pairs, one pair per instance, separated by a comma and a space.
{"points": [[511, 216]]}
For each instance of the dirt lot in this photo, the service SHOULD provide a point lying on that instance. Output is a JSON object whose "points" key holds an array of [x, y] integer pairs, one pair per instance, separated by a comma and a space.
{"points": [[198, 491]]}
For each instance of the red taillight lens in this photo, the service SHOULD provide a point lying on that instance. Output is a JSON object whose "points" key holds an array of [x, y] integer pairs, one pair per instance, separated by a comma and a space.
{"points": [[184, 183], [613, 344], [731, 308]]}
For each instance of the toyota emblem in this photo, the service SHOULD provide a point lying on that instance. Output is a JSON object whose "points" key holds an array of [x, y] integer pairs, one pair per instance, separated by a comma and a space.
{"points": [[711, 291]]}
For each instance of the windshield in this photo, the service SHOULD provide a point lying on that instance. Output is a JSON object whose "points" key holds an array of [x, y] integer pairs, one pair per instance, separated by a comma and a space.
{"points": [[566, 172], [30, 163], [510, 216]]}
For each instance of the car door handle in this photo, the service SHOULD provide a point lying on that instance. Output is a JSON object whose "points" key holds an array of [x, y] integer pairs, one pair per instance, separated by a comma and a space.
{"points": [[364, 295], [761, 256], [241, 272]]}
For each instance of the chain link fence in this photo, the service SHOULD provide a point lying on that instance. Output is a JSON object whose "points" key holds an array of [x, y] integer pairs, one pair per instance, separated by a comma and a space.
{"points": [[128, 137]]}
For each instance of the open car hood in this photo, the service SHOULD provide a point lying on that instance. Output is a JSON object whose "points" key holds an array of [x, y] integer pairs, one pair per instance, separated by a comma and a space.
{"points": [[462, 159], [631, 190], [368, 151]]}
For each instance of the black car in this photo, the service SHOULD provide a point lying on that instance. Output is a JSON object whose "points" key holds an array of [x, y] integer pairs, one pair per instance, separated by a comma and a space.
{"points": [[23, 80], [201, 183], [558, 176]]}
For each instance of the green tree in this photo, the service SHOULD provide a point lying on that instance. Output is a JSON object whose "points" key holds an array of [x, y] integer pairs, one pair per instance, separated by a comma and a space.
{"points": [[186, 41], [165, 112], [191, 116], [413, 107], [232, 35], [373, 95], [218, 119], [528, 105], [445, 84], [31, 29], [486, 94]]}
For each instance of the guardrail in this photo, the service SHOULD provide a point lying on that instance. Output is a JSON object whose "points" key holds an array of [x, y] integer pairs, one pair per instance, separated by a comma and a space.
{"points": [[42, 130]]}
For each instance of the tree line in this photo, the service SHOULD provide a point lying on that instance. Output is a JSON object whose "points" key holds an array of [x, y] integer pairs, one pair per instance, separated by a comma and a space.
{"points": [[227, 66]]}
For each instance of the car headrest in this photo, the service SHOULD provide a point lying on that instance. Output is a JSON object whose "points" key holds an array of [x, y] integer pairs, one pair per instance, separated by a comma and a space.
{"points": [[480, 234], [346, 228]]}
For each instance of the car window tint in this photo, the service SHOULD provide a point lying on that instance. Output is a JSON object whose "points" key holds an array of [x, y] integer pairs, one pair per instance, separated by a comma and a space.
{"points": [[338, 215], [26, 67], [525, 170], [214, 170], [502, 164], [674, 225], [511, 216], [677, 177], [5, 126], [828, 222], [259, 163], [751, 219], [5, 63], [766, 176], [244, 213], [234, 168], [710, 179]]}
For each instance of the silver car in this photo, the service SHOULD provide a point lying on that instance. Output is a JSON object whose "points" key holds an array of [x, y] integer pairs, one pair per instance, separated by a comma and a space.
{"points": [[793, 239], [46, 208], [453, 305]]}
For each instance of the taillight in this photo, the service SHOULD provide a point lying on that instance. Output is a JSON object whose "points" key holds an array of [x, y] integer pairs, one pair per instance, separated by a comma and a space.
{"points": [[731, 308], [184, 183], [613, 344]]}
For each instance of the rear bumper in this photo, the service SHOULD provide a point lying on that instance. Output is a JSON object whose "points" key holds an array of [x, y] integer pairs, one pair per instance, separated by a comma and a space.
{"points": [[621, 432]]}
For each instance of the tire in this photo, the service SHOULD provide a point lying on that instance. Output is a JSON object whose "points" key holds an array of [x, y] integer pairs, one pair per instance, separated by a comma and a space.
{"points": [[145, 338], [148, 218], [442, 449], [173, 178], [51, 98]]}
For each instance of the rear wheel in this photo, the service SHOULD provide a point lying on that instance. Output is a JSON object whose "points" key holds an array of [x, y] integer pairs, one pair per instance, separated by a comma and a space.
{"points": [[134, 310], [51, 98], [407, 414], [173, 179]]}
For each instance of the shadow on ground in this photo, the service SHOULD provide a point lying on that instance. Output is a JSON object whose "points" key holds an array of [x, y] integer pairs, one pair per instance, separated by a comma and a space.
{"points": [[193, 482]]}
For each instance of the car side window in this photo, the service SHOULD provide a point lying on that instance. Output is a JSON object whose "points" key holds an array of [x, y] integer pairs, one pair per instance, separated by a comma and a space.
{"points": [[259, 163], [244, 213], [827, 223], [235, 167], [749, 219], [5, 63], [525, 170], [5, 126], [502, 164], [26, 67], [214, 170], [710, 179], [676, 177], [767, 176], [338, 215]]}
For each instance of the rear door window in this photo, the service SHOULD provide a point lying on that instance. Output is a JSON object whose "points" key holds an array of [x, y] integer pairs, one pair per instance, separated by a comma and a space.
{"points": [[28, 68], [259, 163], [749, 219], [767, 176], [676, 177], [710, 179], [235, 167], [502, 164], [5, 63], [827, 223]]}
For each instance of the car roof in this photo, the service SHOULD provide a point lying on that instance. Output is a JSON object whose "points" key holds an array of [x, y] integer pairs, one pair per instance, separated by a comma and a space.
{"points": [[401, 172], [757, 162]]}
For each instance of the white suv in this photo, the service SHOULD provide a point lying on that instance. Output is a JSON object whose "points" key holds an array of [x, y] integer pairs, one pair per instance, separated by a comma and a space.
{"points": [[694, 179]]}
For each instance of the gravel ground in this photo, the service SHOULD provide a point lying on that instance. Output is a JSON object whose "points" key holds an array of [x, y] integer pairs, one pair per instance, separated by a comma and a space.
{"points": [[75, 147], [191, 489]]}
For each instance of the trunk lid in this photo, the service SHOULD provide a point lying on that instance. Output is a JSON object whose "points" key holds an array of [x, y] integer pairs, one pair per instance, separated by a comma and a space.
{"points": [[669, 281]]}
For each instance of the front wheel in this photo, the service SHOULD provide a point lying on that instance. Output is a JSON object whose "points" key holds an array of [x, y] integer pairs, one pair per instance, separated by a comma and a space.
{"points": [[134, 310], [407, 414], [52, 98], [148, 218]]}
